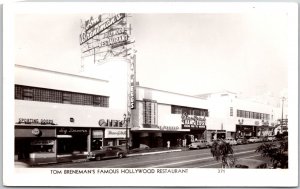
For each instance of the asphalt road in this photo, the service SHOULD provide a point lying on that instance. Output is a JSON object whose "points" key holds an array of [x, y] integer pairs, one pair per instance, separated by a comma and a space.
{"points": [[184, 159]]}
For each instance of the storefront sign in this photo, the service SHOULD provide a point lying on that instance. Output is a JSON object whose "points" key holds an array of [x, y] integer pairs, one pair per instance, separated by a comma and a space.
{"points": [[92, 22], [36, 121], [42, 142], [36, 131], [132, 83], [115, 133], [113, 40], [97, 133], [111, 123], [256, 123], [100, 27], [169, 128], [72, 131], [193, 122]]}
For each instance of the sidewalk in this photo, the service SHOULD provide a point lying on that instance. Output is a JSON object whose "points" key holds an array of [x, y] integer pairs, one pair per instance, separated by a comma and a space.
{"points": [[82, 157]]}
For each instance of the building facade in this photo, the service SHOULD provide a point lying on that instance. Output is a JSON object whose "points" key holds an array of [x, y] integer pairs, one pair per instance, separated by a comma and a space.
{"points": [[162, 116], [62, 114], [235, 117]]}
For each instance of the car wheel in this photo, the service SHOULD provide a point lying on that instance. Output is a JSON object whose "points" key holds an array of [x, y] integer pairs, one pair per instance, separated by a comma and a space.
{"points": [[121, 155], [98, 158]]}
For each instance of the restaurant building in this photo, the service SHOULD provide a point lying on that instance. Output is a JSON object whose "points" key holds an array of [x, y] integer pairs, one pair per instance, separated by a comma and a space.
{"points": [[62, 114], [162, 116]]}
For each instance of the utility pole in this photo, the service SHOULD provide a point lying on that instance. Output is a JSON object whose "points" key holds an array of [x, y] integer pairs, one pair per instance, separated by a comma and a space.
{"points": [[283, 99]]}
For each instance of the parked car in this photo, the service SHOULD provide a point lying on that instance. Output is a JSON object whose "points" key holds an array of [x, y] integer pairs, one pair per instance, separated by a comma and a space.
{"points": [[231, 141], [198, 144], [209, 143], [250, 164], [241, 141], [271, 138], [106, 152], [142, 147], [253, 139]]}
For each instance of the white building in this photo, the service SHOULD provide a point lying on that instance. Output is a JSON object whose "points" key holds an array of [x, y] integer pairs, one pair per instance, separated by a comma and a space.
{"points": [[58, 113], [159, 117], [231, 116]]}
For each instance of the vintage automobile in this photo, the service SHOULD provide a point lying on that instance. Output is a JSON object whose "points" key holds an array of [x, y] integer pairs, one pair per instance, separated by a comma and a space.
{"points": [[253, 139], [141, 148], [271, 138], [231, 141], [198, 144], [241, 141], [106, 152], [251, 164]]}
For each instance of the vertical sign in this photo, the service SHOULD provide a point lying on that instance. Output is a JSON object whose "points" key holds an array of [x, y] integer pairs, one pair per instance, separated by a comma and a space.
{"points": [[132, 83]]}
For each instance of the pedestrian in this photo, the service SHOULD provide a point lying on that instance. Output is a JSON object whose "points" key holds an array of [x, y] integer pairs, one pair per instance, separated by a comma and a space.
{"points": [[168, 144], [184, 142]]}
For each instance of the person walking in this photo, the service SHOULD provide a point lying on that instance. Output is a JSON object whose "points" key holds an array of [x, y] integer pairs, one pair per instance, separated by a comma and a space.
{"points": [[168, 144]]}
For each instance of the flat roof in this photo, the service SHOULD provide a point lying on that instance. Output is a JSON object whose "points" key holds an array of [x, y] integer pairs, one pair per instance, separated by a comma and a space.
{"points": [[63, 73]]}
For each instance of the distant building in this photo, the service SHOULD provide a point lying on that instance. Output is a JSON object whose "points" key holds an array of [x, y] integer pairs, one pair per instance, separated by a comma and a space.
{"points": [[239, 117]]}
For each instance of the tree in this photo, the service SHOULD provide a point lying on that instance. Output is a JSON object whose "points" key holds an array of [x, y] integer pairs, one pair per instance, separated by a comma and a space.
{"points": [[223, 151], [278, 154]]}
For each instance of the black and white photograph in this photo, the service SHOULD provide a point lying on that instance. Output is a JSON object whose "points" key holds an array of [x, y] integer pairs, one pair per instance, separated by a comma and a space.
{"points": [[153, 94]]}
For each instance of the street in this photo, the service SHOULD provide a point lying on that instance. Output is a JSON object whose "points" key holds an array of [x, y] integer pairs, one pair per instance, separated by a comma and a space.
{"points": [[183, 159]]}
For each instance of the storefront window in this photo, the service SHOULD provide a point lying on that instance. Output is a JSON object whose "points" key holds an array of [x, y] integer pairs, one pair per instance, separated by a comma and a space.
{"points": [[57, 96]]}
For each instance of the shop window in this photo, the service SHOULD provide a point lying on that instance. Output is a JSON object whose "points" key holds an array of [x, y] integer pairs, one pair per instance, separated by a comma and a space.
{"points": [[101, 101], [247, 114], [67, 98], [18, 92], [176, 110], [77, 99], [251, 115], [196, 112], [189, 111], [56, 96]]}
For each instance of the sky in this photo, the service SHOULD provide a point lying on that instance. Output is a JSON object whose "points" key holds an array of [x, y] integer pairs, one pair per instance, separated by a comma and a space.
{"points": [[185, 53]]}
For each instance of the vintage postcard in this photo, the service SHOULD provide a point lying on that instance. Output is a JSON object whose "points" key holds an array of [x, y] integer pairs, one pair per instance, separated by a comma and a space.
{"points": [[150, 94]]}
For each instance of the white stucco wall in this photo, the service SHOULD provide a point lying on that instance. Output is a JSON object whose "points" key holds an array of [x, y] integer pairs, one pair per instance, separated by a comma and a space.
{"points": [[110, 79], [84, 116]]}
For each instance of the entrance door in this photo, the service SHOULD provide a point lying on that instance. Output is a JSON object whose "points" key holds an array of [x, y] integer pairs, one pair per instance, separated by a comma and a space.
{"points": [[22, 148]]}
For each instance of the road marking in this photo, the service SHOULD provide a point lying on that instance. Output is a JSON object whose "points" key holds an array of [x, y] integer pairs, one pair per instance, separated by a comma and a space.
{"points": [[187, 161], [209, 165]]}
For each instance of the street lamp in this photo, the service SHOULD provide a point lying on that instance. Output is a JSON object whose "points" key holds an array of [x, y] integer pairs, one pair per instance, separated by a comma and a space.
{"points": [[126, 119]]}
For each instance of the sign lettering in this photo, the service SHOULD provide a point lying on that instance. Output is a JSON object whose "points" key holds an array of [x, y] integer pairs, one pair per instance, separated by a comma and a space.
{"points": [[169, 128], [111, 123], [36, 121], [70, 131], [115, 133], [132, 83], [192, 122], [100, 27]]}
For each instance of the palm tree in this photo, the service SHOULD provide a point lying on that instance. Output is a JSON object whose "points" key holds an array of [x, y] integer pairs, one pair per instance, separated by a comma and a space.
{"points": [[277, 153], [221, 150]]}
